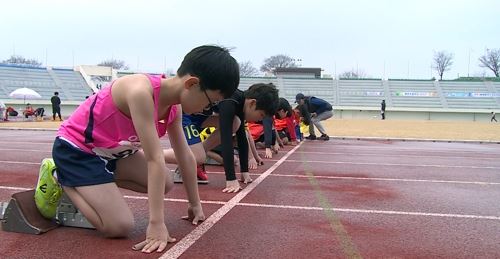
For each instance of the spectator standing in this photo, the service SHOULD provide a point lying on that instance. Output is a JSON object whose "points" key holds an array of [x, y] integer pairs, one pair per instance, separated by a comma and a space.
{"points": [[382, 109], [56, 106], [314, 110]]}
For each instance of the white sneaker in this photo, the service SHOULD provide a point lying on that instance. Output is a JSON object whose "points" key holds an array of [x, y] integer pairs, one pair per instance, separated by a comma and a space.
{"points": [[177, 176], [201, 175]]}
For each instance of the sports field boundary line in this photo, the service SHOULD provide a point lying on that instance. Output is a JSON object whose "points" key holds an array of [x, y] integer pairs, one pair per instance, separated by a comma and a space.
{"points": [[371, 178], [294, 207], [416, 139], [386, 212], [35, 129], [185, 243], [493, 157], [395, 164]]}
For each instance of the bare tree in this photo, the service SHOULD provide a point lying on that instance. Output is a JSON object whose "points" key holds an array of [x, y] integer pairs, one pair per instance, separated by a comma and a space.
{"points": [[247, 69], [491, 60], [353, 74], [442, 62], [20, 60], [114, 63], [277, 61]]}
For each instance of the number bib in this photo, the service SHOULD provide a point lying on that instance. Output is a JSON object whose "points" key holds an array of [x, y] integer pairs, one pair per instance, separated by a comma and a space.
{"points": [[125, 149]]}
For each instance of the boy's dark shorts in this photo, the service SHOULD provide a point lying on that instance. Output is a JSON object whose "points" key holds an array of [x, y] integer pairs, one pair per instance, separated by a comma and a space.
{"points": [[191, 125], [78, 168]]}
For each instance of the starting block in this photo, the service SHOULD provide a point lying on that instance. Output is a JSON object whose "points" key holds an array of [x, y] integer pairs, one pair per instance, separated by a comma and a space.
{"points": [[68, 215], [21, 215]]}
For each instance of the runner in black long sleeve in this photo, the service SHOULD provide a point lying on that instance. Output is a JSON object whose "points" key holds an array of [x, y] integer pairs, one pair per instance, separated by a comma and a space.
{"points": [[251, 105], [231, 108]]}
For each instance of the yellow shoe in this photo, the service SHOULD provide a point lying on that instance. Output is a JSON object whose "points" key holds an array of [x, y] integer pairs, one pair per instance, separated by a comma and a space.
{"points": [[48, 191]]}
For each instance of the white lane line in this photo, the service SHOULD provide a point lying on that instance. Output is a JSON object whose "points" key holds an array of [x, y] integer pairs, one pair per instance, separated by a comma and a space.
{"points": [[388, 212], [31, 143], [132, 197], [184, 244], [387, 179], [394, 164], [24, 150], [330, 162], [351, 148], [396, 155], [19, 162], [15, 188], [371, 178]]}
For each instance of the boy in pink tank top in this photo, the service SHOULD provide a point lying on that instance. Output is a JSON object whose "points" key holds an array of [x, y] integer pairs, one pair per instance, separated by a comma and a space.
{"points": [[113, 140]]}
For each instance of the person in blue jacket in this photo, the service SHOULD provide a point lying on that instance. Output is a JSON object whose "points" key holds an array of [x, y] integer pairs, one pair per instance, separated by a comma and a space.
{"points": [[314, 110]]}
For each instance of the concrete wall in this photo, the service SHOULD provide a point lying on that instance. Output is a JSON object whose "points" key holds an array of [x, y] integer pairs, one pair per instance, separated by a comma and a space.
{"points": [[373, 113]]}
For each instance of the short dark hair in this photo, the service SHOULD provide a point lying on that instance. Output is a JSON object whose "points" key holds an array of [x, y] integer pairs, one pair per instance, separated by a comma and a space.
{"points": [[266, 96], [299, 97], [214, 66], [56, 93], [284, 105]]}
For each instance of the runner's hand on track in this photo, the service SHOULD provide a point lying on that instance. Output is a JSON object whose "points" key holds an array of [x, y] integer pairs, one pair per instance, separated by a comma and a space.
{"points": [[195, 214], [252, 164], [276, 148], [232, 186], [269, 153], [157, 238], [259, 160], [245, 178]]}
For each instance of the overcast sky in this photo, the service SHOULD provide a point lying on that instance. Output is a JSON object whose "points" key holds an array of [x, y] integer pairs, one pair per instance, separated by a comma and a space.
{"points": [[334, 35]]}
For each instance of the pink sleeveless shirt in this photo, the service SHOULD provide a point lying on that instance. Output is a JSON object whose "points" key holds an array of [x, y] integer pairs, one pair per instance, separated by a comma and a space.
{"points": [[98, 127]]}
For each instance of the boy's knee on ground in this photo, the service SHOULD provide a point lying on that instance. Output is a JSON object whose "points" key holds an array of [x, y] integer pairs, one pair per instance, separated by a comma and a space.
{"points": [[119, 227]]}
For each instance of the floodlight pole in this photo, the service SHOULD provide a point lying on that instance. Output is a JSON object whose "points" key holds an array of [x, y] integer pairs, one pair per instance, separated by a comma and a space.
{"points": [[468, 65]]}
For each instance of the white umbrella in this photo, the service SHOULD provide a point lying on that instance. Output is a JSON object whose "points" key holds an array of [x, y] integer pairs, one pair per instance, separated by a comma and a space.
{"points": [[25, 93]]}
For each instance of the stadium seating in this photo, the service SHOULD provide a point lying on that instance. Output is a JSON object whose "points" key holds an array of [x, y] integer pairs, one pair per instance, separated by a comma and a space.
{"points": [[468, 95], [410, 94], [68, 83], [360, 92], [399, 94]]}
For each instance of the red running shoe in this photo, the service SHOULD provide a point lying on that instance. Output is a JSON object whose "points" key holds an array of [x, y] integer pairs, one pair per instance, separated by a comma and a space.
{"points": [[202, 174]]}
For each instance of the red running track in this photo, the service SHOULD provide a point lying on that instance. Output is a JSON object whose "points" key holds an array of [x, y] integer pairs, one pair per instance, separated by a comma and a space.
{"points": [[335, 199]]}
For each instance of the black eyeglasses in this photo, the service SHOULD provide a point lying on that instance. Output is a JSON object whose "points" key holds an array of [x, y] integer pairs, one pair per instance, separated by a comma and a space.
{"points": [[210, 103]]}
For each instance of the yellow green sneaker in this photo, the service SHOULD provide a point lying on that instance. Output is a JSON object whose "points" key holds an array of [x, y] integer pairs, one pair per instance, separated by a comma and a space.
{"points": [[48, 191]]}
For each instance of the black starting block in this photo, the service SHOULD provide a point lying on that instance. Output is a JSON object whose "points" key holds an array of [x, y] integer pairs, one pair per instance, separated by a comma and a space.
{"points": [[21, 215]]}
